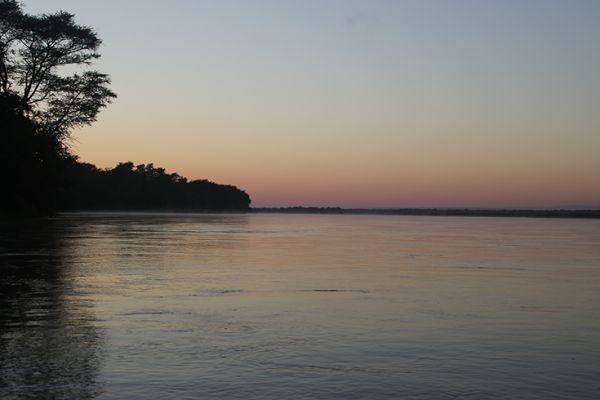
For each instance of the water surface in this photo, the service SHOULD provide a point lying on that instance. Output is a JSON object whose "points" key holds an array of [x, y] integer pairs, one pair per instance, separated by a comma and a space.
{"points": [[153, 306]]}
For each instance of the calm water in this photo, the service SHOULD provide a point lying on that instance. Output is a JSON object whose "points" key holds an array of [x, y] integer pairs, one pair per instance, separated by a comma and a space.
{"points": [[299, 307]]}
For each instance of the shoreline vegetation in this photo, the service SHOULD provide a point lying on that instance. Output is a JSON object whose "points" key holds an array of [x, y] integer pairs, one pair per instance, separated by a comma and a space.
{"points": [[434, 212], [48, 88], [143, 187], [442, 212]]}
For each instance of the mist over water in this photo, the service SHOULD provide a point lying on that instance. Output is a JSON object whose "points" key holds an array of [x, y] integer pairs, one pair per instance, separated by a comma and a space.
{"points": [[122, 306]]}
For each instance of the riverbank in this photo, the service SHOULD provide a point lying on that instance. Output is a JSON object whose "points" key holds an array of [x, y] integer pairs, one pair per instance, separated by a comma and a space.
{"points": [[459, 212]]}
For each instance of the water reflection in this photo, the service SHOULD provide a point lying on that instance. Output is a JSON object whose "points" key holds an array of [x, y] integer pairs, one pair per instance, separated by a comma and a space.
{"points": [[123, 306], [50, 344]]}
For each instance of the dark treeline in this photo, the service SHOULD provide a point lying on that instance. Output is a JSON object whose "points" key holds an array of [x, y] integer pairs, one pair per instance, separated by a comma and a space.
{"points": [[144, 187], [464, 212], [40, 177], [48, 87], [31, 163]]}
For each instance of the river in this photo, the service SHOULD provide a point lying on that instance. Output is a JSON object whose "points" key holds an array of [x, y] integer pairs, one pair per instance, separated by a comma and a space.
{"points": [[276, 306]]}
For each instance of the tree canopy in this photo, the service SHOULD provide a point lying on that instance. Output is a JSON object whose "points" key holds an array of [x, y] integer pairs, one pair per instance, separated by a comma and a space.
{"points": [[38, 54], [144, 187], [48, 87]]}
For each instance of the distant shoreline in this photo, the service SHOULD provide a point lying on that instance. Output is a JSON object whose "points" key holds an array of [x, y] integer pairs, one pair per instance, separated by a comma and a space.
{"points": [[448, 212], [441, 212]]}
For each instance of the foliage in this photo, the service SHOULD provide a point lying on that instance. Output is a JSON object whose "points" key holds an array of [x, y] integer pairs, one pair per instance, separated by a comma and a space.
{"points": [[36, 55], [31, 164], [42, 99], [145, 187]]}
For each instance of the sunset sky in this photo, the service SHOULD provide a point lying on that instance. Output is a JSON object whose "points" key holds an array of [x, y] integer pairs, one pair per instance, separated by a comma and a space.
{"points": [[355, 103]]}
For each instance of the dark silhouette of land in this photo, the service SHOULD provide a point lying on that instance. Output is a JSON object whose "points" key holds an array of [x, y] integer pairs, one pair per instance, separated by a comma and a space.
{"points": [[144, 187], [42, 100], [464, 212], [31, 163], [40, 177]]}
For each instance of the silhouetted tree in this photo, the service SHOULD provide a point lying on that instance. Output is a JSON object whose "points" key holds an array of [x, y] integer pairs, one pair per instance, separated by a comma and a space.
{"points": [[41, 101], [31, 163], [35, 53]]}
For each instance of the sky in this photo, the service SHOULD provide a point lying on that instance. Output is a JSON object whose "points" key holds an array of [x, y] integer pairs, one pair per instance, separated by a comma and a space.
{"points": [[354, 103]]}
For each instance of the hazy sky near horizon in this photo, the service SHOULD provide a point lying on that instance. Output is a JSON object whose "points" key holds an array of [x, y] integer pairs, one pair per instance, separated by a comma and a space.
{"points": [[355, 103]]}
